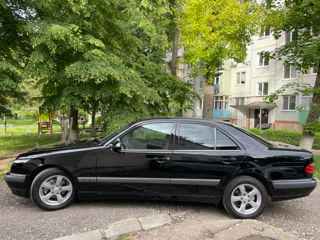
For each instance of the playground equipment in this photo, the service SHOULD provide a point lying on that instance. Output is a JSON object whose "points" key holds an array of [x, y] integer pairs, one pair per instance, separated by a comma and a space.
{"points": [[44, 125]]}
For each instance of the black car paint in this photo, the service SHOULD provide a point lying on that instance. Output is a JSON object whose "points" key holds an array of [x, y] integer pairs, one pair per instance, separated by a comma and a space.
{"points": [[102, 171]]}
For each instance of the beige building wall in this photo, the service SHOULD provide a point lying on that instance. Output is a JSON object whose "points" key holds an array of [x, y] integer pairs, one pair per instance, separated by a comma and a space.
{"points": [[273, 74]]}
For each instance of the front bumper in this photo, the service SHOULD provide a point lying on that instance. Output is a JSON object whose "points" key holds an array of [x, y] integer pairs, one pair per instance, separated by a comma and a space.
{"points": [[18, 184], [289, 189]]}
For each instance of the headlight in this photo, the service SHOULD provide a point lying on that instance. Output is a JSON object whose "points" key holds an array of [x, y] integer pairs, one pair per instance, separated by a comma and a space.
{"points": [[21, 160]]}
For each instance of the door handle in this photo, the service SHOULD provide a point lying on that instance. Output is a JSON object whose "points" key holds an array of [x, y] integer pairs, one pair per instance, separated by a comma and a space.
{"points": [[228, 160], [161, 159]]}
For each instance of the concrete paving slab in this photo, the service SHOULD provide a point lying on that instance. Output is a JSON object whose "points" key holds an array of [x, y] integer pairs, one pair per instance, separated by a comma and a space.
{"points": [[92, 235], [189, 229], [253, 228], [126, 226], [154, 221]]}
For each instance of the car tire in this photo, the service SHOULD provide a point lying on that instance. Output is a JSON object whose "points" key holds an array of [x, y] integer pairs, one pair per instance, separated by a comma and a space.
{"points": [[52, 189], [245, 197]]}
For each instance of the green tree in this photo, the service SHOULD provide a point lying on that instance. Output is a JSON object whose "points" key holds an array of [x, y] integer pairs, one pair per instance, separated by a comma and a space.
{"points": [[102, 55], [300, 19], [13, 47], [213, 31]]}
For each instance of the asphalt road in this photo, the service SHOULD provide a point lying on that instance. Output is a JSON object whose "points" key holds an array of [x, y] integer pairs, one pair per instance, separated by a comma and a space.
{"points": [[21, 219]]}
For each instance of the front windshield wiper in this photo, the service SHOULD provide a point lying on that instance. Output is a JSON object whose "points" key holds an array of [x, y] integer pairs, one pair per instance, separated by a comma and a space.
{"points": [[97, 140]]}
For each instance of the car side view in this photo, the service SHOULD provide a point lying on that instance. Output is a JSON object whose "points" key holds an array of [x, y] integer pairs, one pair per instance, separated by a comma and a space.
{"points": [[171, 159]]}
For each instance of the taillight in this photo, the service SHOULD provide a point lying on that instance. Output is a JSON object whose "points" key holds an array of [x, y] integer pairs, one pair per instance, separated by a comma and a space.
{"points": [[310, 168]]}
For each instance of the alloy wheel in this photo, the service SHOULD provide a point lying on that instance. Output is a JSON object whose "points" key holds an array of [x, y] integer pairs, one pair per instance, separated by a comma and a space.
{"points": [[246, 199], [55, 190]]}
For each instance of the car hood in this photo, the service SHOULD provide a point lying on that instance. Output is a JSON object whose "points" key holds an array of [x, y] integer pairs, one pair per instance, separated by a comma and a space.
{"points": [[78, 144]]}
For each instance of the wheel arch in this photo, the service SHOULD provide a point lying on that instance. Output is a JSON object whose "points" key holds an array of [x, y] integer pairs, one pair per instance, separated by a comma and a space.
{"points": [[47, 166], [253, 174]]}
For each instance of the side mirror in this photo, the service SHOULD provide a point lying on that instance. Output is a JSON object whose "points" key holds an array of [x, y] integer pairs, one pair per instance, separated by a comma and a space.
{"points": [[116, 146]]}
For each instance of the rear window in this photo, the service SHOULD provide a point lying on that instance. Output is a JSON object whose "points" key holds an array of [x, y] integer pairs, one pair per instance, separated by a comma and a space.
{"points": [[256, 137]]}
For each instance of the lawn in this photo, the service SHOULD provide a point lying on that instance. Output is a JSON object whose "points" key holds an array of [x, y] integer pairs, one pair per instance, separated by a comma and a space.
{"points": [[17, 140], [10, 145]]}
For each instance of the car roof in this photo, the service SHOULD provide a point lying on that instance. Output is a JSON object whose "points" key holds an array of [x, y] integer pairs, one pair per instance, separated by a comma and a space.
{"points": [[178, 119]]}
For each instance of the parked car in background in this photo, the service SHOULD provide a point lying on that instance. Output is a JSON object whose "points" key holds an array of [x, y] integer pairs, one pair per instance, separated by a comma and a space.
{"points": [[176, 159]]}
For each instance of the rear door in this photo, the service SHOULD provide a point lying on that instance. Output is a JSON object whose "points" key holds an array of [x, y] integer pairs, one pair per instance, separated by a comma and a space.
{"points": [[203, 158]]}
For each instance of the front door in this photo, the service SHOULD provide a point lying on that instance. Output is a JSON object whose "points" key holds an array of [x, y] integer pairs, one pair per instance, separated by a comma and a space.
{"points": [[141, 167], [264, 117], [203, 158]]}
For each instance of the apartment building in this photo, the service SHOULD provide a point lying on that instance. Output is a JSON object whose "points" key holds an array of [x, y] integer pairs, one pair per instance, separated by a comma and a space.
{"points": [[240, 89], [258, 77]]}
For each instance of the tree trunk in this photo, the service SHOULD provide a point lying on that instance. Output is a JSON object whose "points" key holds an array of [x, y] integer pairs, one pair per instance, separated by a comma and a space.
{"points": [[5, 124], [175, 50], [73, 134], [64, 128], [314, 113], [93, 124], [208, 93]]}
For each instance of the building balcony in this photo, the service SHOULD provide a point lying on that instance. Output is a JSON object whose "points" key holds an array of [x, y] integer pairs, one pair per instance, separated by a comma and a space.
{"points": [[221, 114]]}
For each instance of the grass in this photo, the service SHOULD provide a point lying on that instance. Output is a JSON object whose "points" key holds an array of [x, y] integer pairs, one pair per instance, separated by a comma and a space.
{"points": [[17, 140], [317, 166], [10, 145], [124, 237]]}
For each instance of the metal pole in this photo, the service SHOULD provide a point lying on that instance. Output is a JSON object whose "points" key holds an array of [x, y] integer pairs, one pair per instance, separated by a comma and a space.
{"points": [[4, 124], [260, 118]]}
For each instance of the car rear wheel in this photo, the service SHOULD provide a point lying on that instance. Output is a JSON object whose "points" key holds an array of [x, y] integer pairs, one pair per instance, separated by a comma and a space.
{"points": [[245, 197], [52, 189]]}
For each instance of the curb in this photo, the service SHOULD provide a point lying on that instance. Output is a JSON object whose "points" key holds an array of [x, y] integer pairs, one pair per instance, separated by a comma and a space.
{"points": [[126, 226]]}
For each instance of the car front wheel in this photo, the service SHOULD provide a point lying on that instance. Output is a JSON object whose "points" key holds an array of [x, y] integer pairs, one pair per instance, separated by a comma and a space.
{"points": [[52, 189], [245, 197]]}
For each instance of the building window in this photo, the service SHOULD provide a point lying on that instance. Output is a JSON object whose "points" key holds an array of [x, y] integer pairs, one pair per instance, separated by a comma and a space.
{"points": [[200, 103], [239, 101], [240, 78], [201, 83], [221, 102], [289, 37], [263, 88], [216, 79], [262, 61], [314, 69], [306, 102], [289, 103], [265, 33], [290, 72]]}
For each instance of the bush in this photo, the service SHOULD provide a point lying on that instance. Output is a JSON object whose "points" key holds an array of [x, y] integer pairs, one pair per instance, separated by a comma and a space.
{"points": [[290, 137]]}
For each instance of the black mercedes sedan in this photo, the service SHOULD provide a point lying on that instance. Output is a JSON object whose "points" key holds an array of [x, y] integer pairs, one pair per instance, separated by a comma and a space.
{"points": [[172, 159]]}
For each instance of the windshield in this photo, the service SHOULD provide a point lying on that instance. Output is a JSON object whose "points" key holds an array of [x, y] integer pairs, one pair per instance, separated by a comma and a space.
{"points": [[109, 137]]}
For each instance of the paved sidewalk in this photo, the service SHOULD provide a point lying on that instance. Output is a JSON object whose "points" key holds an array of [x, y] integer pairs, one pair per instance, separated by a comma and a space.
{"points": [[187, 227]]}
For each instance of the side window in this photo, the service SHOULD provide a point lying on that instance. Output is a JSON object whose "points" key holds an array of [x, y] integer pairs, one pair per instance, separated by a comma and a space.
{"points": [[224, 143], [195, 137], [149, 136], [202, 137]]}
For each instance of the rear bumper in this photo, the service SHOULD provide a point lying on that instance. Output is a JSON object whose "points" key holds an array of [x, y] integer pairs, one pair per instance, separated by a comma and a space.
{"points": [[289, 189], [17, 183]]}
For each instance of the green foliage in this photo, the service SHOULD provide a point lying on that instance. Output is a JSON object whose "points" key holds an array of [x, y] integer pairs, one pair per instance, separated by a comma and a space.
{"points": [[12, 49], [216, 30], [301, 17], [105, 56], [313, 127], [290, 137]]}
